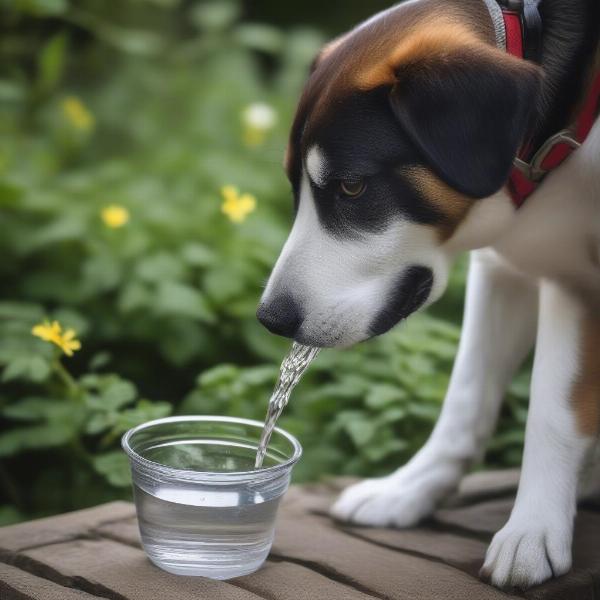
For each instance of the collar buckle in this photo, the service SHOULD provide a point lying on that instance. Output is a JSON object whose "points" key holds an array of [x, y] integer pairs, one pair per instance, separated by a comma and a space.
{"points": [[534, 169], [512, 5]]}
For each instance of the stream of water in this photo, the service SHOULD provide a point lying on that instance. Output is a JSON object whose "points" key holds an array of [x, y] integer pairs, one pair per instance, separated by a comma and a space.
{"points": [[292, 368]]}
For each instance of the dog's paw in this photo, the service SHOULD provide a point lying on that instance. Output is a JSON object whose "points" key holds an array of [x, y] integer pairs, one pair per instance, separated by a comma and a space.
{"points": [[400, 500], [527, 553], [380, 503]]}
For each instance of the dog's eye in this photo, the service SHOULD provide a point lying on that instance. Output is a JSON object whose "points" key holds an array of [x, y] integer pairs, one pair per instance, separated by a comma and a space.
{"points": [[352, 189]]}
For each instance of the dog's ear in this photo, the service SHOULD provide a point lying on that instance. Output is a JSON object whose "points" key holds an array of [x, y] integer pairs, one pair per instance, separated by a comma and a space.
{"points": [[326, 51], [467, 112]]}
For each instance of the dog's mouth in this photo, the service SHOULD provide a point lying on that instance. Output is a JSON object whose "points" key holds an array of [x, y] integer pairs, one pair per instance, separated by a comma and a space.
{"points": [[408, 295], [342, 326]]}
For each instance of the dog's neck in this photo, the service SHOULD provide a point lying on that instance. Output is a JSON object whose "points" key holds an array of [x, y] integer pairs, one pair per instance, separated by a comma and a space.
{"points": [[570, 33]]}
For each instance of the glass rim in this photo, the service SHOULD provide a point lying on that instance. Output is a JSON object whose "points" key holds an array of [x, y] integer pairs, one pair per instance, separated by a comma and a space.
{"points": [[264, 472]]}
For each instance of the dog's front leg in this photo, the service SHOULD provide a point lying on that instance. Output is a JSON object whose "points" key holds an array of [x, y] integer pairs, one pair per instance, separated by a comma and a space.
{"points": [[535, 544], [498, 331]]}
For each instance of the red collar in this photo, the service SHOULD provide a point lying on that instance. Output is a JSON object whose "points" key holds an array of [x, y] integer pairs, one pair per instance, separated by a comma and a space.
{"points": [[532, 165]]}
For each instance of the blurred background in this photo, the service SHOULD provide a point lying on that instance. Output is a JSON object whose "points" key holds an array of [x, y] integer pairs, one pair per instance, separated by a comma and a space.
{"points": [[142, 204]]}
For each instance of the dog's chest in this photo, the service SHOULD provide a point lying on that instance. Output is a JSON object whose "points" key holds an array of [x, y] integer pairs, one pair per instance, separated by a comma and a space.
{"points": [[556, 233]]}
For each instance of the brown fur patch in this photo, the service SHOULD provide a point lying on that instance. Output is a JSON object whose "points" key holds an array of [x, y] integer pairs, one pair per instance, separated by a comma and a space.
{"points": [[363, 56], [434, 40], [329, 48], [453, 205], [586, 389]]}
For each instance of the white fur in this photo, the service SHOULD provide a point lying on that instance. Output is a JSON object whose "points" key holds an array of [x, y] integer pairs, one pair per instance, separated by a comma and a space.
{"points": [[483, 225], [557, 229], [316, 166], [555, 237], [481, 373], [341, 285], [535, 544]]}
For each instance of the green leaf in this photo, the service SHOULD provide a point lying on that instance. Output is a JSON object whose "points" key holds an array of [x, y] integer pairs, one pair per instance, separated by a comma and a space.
{"points": [[35, 437], [118, 393], [159, 267], [261, 37], [520, 386], [34, 409], [143, 411], [11, 91], [356, 424], [51, 62], [99, 360], [65, 227], [24, 311], [218, 375], [507, 438], [215, 15], [134, 296], [108, 392], [381, 395], [43, 8], [179, 299], [30, 368], [198, 255], [114, 467], [221, 287], [101, 273], [10, 193], [256, 376], [424, 411], [391, 415], [10, 515], [127, 39], [385, 448], [99, 422]]}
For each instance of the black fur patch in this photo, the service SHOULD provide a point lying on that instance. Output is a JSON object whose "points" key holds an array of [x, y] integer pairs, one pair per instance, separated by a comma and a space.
{"points": [[363, 141], [468, 115], [409, 294]]}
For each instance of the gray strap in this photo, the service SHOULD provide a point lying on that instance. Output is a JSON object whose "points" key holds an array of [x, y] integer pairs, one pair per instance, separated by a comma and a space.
{"points": [[498, 21]]}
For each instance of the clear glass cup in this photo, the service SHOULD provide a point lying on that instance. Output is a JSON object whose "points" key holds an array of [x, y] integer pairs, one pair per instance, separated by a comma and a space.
{"points": [[202, 507]]}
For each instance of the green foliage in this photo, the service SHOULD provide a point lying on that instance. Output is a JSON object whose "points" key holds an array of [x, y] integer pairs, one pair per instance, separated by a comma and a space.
{"points": [[362, 411], [138, 104]]}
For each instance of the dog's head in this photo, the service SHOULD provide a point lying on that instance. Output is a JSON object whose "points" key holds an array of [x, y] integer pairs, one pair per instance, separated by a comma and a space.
{"points": [[405, 124]]}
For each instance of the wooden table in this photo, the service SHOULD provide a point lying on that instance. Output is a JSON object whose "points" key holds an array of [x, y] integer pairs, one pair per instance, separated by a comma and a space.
{"points": [[95, 553]]}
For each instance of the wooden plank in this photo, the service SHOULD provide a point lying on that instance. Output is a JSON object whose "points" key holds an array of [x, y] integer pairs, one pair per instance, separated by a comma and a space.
{"points": [[316, 542], [289, 581], [482, 518], [16, 584], [62, 527], [483, 485], [582, 582], [475, 487], [457, 550], [118, 571], [125, 532], [574, 586], [311, 554], [464, 553]]}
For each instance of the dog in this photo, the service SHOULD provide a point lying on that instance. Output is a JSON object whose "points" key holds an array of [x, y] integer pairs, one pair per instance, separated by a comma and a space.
{"points": [[413, 143]]}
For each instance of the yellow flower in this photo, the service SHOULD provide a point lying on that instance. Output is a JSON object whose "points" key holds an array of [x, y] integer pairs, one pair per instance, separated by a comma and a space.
{"points": [[235, 205], [115, 215], [53, 333], [77, 113], [258, 119]]}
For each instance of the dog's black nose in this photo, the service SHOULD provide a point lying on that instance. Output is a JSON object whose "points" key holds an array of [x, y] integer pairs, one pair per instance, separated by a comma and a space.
{"points": [[281, 315]]}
